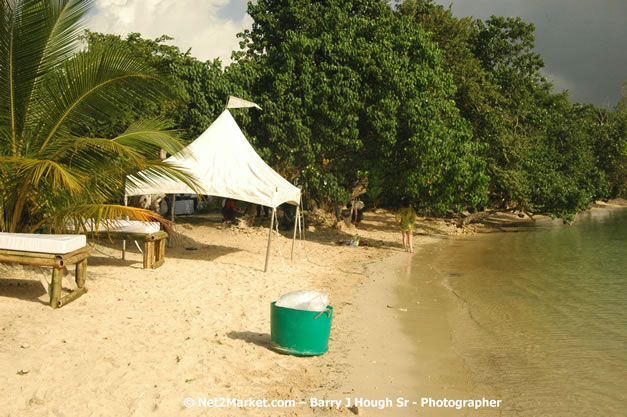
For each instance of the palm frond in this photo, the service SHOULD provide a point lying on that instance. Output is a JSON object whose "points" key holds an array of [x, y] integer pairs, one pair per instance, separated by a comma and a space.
{"points": [[63, 26], [158, 171], [47, 170], [93, 148], [32, 171], [98, 83], [78, 218], [36, 36], [153, 134]]}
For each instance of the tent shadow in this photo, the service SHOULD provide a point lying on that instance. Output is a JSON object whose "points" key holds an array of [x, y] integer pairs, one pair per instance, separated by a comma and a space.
{"points": [[325, 236], [198, 252], [259, 339], [184, 247], [373, 221], [22, 289]]}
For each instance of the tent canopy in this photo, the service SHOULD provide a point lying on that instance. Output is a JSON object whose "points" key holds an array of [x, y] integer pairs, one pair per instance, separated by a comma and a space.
{"points": [[224, 165]]}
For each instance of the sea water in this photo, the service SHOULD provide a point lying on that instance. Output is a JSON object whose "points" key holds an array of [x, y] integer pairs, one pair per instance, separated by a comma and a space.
{"points": [[540, 317]]}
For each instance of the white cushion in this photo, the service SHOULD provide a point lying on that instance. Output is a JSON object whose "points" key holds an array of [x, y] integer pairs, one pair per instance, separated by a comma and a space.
{"points": [[28, 242], [132, 226], [126, 226]]}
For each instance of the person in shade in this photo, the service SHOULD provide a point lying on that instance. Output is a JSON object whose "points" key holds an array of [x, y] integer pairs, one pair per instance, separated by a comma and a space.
{"points": [[229, 211], [406, 217]]}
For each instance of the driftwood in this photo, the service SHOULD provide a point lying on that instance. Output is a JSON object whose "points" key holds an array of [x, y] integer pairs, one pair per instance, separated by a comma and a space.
{"points": [[24, 260], [132, 236], [482, 215], [55, 287]]}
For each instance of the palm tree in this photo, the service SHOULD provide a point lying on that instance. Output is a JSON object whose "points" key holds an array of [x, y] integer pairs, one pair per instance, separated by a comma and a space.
{"points": [[49, 173]]}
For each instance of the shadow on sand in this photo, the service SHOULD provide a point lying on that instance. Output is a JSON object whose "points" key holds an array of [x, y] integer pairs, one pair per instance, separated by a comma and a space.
{"points": [[22, 289], [109, 253], [259, 339]]}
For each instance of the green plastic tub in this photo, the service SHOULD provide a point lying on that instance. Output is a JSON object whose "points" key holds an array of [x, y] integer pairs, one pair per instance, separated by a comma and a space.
{"points": [[300, 332]]}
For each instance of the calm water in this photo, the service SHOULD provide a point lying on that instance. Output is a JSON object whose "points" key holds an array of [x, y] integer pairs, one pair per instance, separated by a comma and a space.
{"points": [[541, 316]]}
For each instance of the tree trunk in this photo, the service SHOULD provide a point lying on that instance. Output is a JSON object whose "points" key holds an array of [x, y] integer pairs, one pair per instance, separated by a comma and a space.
{"points": [[250, 215]]}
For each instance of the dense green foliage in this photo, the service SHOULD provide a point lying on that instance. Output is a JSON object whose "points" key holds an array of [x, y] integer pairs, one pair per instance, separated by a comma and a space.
{"points": [[451, 113], [51, 173], [543, 153], [350, 89]]}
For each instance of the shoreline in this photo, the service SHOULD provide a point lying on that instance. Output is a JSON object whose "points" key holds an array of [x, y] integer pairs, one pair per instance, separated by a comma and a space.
{"points": [[382, 356], [404, 351], [444, 374]]}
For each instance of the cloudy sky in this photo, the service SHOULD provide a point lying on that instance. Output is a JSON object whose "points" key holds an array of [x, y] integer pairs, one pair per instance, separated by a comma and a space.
{"points": [[207, 26], [583, 42]]}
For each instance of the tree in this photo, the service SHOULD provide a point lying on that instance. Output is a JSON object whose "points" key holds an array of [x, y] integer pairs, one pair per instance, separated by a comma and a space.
{"points": [[561, 165], [348, 89], [543, 153], [52, 175], [200, 88], [478, 99], [611, 145]]}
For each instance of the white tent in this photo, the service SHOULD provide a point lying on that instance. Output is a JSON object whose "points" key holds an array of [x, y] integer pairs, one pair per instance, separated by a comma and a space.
{"points": [[225, 165]]}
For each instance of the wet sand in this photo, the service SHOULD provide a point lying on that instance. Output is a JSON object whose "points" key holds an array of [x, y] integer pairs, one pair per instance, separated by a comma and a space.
{"points": [[402, 344]]}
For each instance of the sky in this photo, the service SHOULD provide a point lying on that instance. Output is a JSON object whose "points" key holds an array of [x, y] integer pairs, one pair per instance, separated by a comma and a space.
{"points": [[583, 42], [207, 26]]}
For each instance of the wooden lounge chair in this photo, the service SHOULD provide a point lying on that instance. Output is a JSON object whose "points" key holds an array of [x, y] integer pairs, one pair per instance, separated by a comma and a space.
{"points": [[56, 251]]}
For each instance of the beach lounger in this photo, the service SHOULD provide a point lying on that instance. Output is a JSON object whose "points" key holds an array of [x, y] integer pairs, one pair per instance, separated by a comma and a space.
{"points": [[149, 232], [56, 251]]}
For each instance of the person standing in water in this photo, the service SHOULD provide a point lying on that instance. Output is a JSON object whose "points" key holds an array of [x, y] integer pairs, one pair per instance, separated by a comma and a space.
{"points": [[406, 217]]}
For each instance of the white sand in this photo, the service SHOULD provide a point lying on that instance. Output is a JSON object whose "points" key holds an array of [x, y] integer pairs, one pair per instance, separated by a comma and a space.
{"points": [[141, 341]]}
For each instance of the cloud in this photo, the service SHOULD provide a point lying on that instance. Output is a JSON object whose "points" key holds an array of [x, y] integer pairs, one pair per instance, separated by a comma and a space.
{"points": [[207, 26]]}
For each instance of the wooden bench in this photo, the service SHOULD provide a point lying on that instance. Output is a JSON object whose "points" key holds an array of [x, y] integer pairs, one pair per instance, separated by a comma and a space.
{"points": [[148, 232], [154, 245], [57, 261]]}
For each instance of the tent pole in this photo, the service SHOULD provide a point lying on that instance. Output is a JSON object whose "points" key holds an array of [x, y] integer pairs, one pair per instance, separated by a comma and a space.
{"points": [[172, 210], [173, 206], [124, 241], [265, 268], [296, 221], [300, 232]]}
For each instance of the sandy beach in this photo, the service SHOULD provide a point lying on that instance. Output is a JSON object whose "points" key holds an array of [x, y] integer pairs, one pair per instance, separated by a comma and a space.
{"points": [[140, 342]]}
